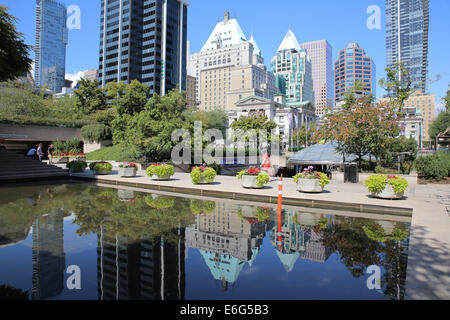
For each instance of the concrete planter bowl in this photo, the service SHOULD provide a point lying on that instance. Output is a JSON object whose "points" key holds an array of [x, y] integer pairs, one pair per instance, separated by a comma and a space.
{"points": [[102, 172], [250, 182], [127, 172], [309, 185], [77, 159], [160, 178], [389, 193], [60, 160]]}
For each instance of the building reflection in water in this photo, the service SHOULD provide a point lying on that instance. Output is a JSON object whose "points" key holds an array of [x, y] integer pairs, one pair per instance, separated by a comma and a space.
{"points": [[300, 238], [150, 269], [227, 240], [48, 257]]}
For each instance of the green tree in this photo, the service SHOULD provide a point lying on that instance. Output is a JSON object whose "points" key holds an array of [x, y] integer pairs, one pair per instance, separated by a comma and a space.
{"points": [[440, 124], [397, 84], [361, 129], [258, 124], [128, 98], [90, 98], [14, 60]]}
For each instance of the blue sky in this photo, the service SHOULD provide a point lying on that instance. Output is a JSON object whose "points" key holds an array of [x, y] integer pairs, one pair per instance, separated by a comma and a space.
{"points": [[339, 22]]}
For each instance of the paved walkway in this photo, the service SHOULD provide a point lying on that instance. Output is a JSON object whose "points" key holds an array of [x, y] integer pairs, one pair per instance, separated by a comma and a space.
{"points": [[428, 273]]}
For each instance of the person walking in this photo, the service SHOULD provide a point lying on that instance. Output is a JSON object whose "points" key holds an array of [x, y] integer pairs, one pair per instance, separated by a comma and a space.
{"points": [[32, 153], [39, 152], [50, 152]]}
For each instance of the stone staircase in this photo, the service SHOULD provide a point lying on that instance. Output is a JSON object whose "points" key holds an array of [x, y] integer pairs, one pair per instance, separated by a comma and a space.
{"points": [[15, 167]]}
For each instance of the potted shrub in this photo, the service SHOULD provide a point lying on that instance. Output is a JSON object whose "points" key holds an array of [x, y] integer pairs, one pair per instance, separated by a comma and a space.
{"points": [[386, 186], [202, 207], [254, 214], [160, 202], [60, 158], [101, 168], [76, 166], [127, 170], [253, 178], [203, 175], [160, 171], [311, 181]]}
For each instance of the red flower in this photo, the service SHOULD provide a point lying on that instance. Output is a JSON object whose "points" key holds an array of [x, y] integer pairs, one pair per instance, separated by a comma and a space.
{"points": [[253, 171]]}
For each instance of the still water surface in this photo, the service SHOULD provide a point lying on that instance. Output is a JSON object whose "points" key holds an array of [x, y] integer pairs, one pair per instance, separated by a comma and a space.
{"points": [[133, 245]]}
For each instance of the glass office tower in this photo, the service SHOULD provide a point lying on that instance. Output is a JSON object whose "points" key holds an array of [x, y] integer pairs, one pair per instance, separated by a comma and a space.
{"points": [[144, 40], [50, 48], [407, 23]]}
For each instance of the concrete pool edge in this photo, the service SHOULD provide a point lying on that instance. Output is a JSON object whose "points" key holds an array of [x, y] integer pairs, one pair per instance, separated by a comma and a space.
{"points": [[235, 195]]}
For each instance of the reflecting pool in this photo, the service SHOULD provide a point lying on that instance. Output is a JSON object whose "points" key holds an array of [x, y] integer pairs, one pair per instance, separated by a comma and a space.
{"points": [[82, 241]]}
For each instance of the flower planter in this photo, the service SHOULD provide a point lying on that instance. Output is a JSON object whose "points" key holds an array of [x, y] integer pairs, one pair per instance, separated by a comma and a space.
{"points": [[126, 194], [160, 178], [102, 172], [76, 171], [127, 172], [60, 160], [309, 185], [250, 182], [389, 193], [77, 159]]}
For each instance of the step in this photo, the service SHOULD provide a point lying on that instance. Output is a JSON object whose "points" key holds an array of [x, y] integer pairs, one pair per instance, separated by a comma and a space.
{"points": [[32, 176]]}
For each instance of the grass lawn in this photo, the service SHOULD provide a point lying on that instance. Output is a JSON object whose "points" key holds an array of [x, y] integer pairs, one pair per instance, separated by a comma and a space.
{"points": [[113, 153]]}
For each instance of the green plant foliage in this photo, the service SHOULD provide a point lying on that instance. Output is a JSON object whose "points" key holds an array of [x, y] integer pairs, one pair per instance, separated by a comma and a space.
{"points": [[376, 183], [77, 166], [434, 167], [398, 184], [323, 223], [160, 170], [14, 59], [89, 97], [160, 202], [199, 173], [97, 166], [375, 232], [96, 133], [440, 124], [262, 179], [262, 214], [399, 234], [202, 207], [73, 145], [309, 173]]}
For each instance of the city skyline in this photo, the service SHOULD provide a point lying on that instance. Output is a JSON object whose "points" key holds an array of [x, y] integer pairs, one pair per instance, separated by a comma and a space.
{"points": [[79, 59]]}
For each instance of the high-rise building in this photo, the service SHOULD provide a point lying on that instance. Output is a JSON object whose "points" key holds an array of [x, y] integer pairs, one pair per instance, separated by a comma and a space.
{"points": [[50, 48], [294, 65], [144, 40], [229, 68], [48, 257], [191, 82], [91, 75], [321, 55], [354, 67], [407, 23]]}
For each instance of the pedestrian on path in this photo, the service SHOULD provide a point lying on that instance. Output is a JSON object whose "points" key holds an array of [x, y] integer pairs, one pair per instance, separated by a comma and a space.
{"points": [[39, 152], [50, 152], [32, 153]]}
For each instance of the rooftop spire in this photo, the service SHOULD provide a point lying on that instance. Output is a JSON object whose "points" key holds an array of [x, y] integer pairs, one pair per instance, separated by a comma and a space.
{"points": [[289, 42]]}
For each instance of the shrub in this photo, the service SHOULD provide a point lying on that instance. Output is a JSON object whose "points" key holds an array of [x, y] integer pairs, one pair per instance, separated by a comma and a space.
{"points": [[377, 183], [77, 166], [202, 207], [96, 166], [73, 145], [96, 132], [309, 173], [262, 213], [434, 167], [199, 173], [160, 170], [160, 202]]}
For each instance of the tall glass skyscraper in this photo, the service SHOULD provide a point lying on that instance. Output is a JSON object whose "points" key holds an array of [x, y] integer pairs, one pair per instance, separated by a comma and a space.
{"points": [[50, 48], [407, 24], [352, 67], [293, 63], [144, 40], [321, 54]]}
